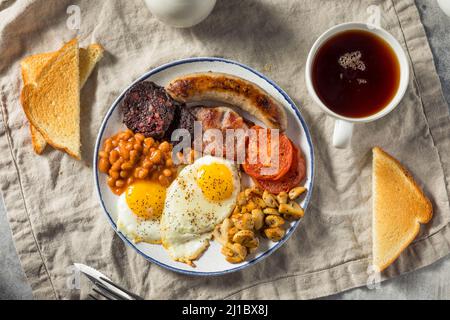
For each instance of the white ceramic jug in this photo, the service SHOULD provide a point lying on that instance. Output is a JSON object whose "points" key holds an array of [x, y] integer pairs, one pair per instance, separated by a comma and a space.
{"points": [[181, 13], [445, 6]]}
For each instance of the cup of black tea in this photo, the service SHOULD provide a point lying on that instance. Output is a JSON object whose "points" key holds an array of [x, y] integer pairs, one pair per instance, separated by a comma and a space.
{"points": [[356, 73]]}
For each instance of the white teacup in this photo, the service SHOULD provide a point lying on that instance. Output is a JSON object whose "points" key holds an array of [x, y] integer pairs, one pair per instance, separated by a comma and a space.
{"points": [[343, 130]]}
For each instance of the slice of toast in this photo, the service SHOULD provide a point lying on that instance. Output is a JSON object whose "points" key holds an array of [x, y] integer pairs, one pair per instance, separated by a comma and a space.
{"points": [[52, 101], [88, 60], [33, 65], [399, 207]]}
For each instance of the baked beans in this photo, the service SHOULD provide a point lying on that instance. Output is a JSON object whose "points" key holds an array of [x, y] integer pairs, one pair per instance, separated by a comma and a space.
{"points": [[127, 157]]}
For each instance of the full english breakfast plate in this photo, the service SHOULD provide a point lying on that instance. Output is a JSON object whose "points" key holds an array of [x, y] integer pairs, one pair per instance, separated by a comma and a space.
{"points": [[210, 205]]}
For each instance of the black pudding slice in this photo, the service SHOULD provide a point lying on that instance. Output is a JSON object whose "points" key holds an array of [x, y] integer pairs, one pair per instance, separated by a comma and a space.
{"points": [[148, 109], [184, 119]]}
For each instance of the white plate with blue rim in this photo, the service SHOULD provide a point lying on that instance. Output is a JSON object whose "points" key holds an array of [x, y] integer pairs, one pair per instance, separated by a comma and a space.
{"points": [[212, 262]]}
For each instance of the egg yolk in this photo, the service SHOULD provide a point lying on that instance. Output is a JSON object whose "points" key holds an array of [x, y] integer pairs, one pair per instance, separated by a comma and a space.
{"points": [[215, 181], [146, 199]]}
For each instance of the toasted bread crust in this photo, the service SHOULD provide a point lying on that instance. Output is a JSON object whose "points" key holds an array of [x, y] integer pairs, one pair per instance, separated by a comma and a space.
{"points": [[37, 140], [400, 206], [229, 89]]}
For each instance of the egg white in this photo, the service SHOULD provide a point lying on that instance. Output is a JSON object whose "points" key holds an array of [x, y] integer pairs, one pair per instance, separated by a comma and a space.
{"points": [[135, 228], [189, 219]]}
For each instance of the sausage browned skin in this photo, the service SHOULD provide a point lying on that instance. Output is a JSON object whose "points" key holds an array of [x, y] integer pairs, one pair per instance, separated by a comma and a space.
{"points": [[219, 87]]}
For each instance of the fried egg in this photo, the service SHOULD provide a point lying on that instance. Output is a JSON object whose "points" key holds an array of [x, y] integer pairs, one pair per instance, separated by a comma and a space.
{"points": [[140, 209], [202, 197]]}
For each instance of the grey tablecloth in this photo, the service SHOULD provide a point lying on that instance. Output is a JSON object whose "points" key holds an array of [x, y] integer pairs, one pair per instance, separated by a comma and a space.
{"points": [[54, 214]]}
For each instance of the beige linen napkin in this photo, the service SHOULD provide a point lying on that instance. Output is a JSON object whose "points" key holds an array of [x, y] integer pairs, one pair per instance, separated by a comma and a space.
{"points": [[52, 207]]}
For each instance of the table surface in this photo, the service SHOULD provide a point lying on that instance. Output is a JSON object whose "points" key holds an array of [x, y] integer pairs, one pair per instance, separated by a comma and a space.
{"points": [[432, 282]]}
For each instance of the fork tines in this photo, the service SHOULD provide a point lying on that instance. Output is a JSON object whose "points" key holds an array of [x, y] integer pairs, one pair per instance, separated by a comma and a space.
{"points": [[107, 293]]}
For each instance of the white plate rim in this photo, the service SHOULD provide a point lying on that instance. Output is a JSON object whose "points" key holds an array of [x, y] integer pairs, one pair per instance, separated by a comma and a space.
{"points": [[157, 70]]}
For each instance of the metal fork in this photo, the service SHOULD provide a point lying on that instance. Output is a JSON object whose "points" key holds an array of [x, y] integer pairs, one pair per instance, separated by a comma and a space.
{"points": [[106, 293]]}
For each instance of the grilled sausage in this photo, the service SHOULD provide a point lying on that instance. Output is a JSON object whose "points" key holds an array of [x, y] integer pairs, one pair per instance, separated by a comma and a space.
{"points": [[229, 89]]}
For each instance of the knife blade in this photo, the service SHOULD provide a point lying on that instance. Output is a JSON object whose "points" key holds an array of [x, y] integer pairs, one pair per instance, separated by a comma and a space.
{"points": [[103, 282]]}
